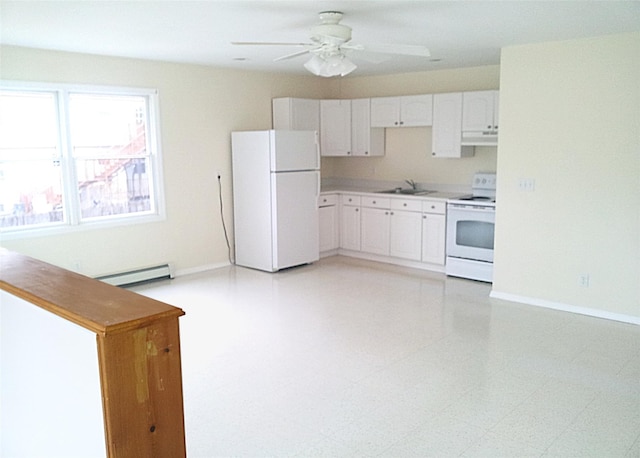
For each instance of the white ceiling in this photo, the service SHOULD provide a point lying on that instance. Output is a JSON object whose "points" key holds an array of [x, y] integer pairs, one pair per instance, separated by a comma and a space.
{"points": [[458, 33]]}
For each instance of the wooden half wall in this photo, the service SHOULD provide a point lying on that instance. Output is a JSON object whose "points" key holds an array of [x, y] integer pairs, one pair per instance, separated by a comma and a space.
{"points": [[138, 348]]}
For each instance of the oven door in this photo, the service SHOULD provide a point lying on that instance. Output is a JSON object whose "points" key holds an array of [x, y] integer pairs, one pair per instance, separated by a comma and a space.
{"points": [[470, 232]]}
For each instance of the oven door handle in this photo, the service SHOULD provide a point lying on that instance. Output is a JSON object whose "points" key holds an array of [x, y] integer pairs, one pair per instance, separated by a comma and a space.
{"points": [[469, 208]]}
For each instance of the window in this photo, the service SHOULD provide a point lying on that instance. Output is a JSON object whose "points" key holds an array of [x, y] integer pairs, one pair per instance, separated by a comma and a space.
{"points": [[73, 157]]}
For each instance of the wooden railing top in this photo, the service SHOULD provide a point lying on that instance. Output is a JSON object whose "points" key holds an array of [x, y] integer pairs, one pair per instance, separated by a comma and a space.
{"points": [[92, 304]]}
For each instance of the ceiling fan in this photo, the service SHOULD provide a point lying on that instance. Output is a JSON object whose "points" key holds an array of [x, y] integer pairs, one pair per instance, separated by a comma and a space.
{"points": [[331, 46]]}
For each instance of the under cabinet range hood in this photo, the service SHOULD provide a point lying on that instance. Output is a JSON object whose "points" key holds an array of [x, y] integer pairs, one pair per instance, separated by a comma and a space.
{"points": [[486, 138]]}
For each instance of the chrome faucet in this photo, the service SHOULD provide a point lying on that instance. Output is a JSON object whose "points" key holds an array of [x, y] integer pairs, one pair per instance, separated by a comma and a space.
{"points": [[412, 183]]}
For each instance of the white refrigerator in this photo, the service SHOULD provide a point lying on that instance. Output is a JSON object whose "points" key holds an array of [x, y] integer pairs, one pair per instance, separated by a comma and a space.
{"points": [[276, 183]]}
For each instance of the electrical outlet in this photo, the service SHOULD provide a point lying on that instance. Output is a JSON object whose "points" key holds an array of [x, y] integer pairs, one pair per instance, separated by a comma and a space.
{"points": [[583, 280]]}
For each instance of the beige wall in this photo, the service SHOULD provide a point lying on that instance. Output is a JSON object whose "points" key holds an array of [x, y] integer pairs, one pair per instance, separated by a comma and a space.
{"points": [[199, 107], [570, 119], [408, 150]]}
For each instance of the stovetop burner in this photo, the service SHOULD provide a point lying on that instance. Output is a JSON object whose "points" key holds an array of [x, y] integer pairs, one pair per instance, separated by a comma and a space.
{"points": [[478, 198]]}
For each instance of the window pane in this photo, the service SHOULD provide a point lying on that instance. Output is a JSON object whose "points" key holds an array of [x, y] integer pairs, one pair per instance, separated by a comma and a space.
{"points": [[28, 125], [108, 126], [113, 186], [30, 172], [109, 140], [30, 193]]}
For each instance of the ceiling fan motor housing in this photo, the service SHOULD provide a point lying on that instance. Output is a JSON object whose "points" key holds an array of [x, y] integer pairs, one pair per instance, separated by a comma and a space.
{"points": [[329, 27]]}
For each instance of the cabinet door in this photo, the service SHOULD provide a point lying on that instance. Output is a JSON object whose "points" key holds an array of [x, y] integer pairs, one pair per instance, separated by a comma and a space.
{"points": [[375, 231], [416, 110], [385, 112], [447, 126], [328, 228], [478, 111], [296, 114], [433, 238], [350, 228], [406, 235], [360, 127], [335, 127]]}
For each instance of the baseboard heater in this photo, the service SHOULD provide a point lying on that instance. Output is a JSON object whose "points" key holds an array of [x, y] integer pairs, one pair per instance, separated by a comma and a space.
{"points": [[134, 277]]}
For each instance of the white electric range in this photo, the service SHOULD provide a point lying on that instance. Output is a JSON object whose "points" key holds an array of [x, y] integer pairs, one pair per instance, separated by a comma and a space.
{"points": [[470, 230]]}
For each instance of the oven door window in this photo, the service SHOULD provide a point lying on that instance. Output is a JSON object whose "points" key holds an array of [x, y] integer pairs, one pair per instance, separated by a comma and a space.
{"points": [[475, 234]]}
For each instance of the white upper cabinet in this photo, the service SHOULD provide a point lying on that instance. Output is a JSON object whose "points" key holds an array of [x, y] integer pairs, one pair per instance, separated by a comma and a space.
{"points": [[447, 127], [404, 111], [296, 114], [416, 110], [335, 127], [365, 140], [480, 117]]}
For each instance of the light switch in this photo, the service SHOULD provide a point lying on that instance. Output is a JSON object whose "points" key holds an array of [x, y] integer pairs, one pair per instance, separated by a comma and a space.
{"points": [[527, 184]]}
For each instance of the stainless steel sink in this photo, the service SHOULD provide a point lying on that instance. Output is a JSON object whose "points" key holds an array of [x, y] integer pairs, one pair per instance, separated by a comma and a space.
{"points": [[410, 192]]}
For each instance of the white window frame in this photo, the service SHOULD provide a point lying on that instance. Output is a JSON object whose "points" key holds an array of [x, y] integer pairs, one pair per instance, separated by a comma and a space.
{"points": [[73, 222]]}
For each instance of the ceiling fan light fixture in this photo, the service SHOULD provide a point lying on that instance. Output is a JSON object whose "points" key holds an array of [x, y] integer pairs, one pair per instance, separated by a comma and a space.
{"points": [[333, 65]]}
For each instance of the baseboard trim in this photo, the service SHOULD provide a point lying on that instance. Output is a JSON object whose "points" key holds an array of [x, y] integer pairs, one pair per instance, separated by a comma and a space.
{"points": [[391, 260], [199, 269], [565, 307]]}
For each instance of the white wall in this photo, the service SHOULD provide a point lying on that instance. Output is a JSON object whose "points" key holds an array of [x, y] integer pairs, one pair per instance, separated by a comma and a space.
{"points": [[199, 108], [49, 385], [570, 119]]}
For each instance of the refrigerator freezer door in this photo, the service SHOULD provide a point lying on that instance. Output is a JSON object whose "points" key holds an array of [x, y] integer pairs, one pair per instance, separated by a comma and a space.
{"points": [[295, 212], [294, 150]]}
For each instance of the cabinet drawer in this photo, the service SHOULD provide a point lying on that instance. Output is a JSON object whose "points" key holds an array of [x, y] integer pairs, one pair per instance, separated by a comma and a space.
{"points": [[412, 205], [375, 202], [327, 200], [431, 206], [349, 199]]}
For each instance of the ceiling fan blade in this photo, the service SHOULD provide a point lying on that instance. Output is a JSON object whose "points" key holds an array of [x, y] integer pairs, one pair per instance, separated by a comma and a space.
{"points": [[268, 43], [292, 55], [407, 50], [371, 57]]}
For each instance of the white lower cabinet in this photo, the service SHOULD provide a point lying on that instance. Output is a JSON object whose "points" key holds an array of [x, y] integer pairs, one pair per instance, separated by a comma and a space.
{"points": [[405, 235], [408, 232], [329, 222], [350, 223], [375, 231], [434, 229], [392, 227]]}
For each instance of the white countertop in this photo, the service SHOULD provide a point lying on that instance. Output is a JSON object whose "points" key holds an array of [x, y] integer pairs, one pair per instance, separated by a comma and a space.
{"points": [[440, 195]]}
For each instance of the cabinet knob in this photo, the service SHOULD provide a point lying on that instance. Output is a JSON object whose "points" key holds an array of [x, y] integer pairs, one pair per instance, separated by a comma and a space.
{"points": [[324, 200], [374, 202], [404, 205], [357, 209], [401, 122], [396, 123], [366, 153], [433, 207]]}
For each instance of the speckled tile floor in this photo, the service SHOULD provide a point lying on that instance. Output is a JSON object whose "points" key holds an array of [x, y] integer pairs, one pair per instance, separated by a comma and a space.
{"points": [[348, 358]]}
